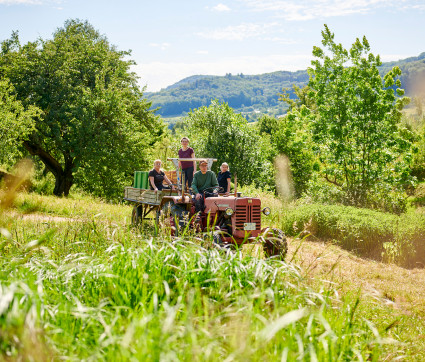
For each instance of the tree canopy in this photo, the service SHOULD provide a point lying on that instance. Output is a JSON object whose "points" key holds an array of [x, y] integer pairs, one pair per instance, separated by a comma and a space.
{"points": [[16, 123], [217, 131], [358, 116], [94, 127]]}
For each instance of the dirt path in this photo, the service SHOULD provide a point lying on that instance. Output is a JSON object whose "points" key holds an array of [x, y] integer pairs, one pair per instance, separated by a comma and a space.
{"points": [[401, 288]]}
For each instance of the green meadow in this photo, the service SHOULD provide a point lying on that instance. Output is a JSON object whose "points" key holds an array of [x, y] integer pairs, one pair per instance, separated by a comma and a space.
{"points": [[79, 283]]}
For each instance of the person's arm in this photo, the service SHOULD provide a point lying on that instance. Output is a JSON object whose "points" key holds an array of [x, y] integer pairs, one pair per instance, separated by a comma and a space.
{"points": [[167, 180], [152, 181], [194, 162], [214, 182], [228, 186], [195, 184]]}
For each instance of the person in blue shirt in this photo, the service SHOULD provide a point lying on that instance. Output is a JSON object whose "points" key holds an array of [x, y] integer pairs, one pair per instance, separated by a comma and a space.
{"points": [[223, 178]]}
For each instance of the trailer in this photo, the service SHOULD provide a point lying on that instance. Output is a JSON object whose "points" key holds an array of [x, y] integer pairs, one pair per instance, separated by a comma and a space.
{"points": [[148, 203]]}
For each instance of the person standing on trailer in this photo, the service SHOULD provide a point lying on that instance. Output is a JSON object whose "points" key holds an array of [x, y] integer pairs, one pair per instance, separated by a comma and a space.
{"points": [[188, 167]]}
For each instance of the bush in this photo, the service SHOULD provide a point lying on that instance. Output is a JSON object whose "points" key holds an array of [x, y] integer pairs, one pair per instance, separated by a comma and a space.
{"points": [[43, 185], [370, 233], [383, 197]]}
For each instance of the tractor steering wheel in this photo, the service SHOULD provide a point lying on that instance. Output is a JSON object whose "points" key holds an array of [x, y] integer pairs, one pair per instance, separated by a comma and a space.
{"points": [[217, 188]]}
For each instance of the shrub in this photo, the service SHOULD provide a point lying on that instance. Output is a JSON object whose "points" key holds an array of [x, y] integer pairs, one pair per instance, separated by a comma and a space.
{"points": [[371, 233]]}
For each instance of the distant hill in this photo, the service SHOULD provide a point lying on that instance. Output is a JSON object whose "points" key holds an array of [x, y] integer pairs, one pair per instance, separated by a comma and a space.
{"points": [[253, 95]]}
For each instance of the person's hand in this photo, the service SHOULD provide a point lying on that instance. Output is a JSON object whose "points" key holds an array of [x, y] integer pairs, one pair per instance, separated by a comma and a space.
{"points": [[156, 190], [198, 196], [227, 193], [172, 187]]}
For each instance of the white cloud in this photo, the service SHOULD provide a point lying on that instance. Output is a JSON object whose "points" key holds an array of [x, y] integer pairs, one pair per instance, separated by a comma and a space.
{"points": [[203, 52], [221, 8], [162, 46], [298, 10], [238, 32], [20, 2]]}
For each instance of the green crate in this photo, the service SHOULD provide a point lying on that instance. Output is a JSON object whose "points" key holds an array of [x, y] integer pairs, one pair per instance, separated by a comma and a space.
{"points": [[141, 179]]}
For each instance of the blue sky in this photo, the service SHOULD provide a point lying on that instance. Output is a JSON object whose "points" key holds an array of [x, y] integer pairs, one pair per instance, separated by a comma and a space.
{"points": [[173, 39]]}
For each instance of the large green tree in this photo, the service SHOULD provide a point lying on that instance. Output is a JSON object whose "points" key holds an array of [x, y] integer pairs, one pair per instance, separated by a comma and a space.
{"points": [[95, 128], [358, 115]]}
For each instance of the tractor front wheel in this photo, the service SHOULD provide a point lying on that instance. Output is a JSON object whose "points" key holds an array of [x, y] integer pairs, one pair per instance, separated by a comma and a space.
{"points": [[275, 244]]}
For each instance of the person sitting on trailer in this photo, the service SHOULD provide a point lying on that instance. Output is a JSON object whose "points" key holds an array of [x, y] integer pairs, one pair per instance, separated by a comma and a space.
{"points": [[157, 177], [223, 178], [202, 180]]}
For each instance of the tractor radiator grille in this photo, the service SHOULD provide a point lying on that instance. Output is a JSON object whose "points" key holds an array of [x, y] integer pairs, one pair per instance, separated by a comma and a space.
{"points": [[248, 213]]}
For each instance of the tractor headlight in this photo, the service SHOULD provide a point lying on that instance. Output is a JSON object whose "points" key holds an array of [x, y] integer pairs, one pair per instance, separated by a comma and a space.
{"points": [[267, 211], [229, 211]]}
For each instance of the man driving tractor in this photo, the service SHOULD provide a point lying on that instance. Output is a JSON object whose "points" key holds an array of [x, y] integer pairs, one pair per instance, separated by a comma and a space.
{"points": [[202, 180]]}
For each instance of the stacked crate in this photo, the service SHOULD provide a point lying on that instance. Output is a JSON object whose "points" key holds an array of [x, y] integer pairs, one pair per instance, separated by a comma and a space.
{"points": [[172, 176]]}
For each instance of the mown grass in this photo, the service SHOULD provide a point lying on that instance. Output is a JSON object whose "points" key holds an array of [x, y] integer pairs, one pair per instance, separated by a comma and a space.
{"points": [[95, 288]]}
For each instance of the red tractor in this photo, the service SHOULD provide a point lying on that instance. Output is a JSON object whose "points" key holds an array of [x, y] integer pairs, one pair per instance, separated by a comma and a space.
{"points": [[233, 219]]}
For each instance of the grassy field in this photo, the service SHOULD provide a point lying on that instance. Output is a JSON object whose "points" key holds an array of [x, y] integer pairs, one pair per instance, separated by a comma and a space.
{"points": [[78, 282]]}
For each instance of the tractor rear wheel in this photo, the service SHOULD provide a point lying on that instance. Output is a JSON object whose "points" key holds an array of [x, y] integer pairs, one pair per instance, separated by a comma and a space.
{"points": [[275, 244]]}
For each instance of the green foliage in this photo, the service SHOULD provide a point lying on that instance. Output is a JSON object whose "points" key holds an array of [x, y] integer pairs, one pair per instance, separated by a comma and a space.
{"points": [[218, 132], [244, 93], [293, 139], [358, 113], [385, 198], [418, 160], [16, 122], [95, 127], [369, 233], [291, 136], [249, 94]]}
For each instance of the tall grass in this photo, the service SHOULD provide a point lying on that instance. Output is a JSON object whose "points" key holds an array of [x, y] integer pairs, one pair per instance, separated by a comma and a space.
{"points": [[92, 290]]}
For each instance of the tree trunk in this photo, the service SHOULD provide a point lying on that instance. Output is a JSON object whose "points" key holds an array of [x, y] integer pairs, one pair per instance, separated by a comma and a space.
{"points": [[63, 183], [63, 175]]}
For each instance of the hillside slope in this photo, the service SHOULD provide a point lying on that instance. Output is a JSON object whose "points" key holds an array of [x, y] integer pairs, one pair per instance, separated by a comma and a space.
{"points": [[255, 94]]}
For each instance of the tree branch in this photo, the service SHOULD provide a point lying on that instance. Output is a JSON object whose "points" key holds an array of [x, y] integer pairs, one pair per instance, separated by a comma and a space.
{"points": [[36, 150], [332, 181]]}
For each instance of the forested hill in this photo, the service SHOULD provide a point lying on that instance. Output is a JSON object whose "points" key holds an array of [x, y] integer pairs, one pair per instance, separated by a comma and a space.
{"points": [[254, 95]]}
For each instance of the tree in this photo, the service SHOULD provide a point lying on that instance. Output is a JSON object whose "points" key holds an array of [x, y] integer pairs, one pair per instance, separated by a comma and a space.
{"points": [[15, 122], [217, 131], [357, 120], [95, 127], [290, 136]]}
